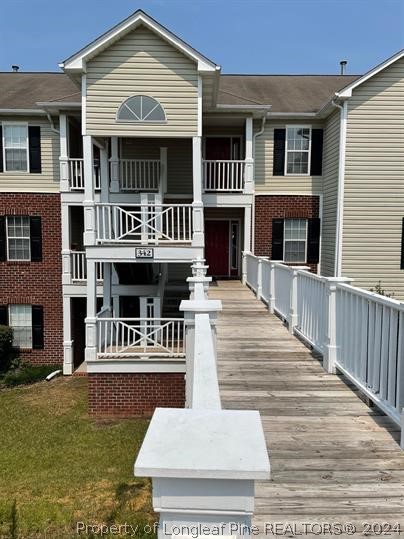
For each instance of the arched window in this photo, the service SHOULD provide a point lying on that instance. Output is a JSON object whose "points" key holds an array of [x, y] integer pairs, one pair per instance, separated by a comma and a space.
{"points": [[141, 108]]}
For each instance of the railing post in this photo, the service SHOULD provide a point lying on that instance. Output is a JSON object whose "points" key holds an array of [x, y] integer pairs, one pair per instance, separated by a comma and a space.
{"points": [[67, 337], [330, 338], [259, 276], [272, 297], [114, 164], [293, 315], [244, 267]]}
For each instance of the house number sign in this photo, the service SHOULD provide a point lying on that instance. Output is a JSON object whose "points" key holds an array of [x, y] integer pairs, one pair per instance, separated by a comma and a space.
{"points": [[144, 252]]}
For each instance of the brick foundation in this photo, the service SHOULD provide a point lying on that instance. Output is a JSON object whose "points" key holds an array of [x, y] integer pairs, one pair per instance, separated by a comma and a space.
{"points": [[268, 207], [134, 394], [37, 283]]}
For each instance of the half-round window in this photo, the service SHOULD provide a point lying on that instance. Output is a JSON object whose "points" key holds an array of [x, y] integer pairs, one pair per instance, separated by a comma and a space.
{"points": [[141, 108]]}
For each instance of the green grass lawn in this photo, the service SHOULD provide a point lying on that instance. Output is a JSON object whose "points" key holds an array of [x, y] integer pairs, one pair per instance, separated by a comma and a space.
{"points": [[59, 467]]}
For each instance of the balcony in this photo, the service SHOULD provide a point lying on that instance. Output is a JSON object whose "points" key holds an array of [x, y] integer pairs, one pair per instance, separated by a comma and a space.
{"points": [[139, 337], [76, 175], [223, 176], [78, 267], [140, 175], [144, 224]]}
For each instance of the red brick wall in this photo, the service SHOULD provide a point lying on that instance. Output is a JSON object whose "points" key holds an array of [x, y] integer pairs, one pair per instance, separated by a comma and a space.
{"points": [[268, 207], [134, 394], [37, 283]]}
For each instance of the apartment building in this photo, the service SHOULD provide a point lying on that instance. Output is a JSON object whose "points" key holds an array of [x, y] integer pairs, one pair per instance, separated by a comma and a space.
{"points": [[140, 156]]}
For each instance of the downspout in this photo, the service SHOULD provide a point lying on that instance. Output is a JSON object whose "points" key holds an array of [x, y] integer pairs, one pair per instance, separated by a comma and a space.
{"points": [[341, 180], [255, 136], [52, 125]]}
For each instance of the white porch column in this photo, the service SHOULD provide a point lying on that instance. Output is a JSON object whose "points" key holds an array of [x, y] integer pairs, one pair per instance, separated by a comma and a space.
{"points": [[64, 155], [67, 337], [89, 207], [163, 172], [66, 254], [107, 285], [197, 212], [91, 327], [104, 175], [114, 161], [249, 160], [247, 228]]}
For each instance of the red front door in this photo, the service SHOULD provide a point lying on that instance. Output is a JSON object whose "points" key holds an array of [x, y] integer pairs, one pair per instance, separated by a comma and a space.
{"points": [[217, 247]]}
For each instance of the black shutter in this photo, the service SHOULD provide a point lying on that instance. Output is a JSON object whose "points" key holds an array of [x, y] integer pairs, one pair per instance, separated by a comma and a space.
{"points": [[402, 247], [37, 327], [277, 239], [3, 315], [279, 152], [1, 149], [34, 135], [3, 239], [313, 241], [316, 159], [36, 239]]}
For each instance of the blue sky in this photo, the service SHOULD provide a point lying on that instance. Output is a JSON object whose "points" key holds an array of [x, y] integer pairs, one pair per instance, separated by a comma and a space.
{"points": [[255, 36]]}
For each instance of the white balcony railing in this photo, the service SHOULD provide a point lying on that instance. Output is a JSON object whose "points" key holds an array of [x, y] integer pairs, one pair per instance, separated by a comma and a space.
{"points": [[144, 223], [223, 176], [133, 337], [139, 174], [76, 175], [79, 267]]}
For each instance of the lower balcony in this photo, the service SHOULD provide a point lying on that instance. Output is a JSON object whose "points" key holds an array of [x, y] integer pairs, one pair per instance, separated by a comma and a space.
{"points": [[120, 338]]}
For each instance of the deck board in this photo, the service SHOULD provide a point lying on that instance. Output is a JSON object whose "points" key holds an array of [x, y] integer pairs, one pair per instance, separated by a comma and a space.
{"points": [[333, 458]]}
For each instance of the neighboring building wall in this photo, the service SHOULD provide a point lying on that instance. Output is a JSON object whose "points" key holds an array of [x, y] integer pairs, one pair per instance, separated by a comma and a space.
{"points": [[48, 180], [142, 63], [330, 193], [374, 182], [265, 181], [179, 159], [280, 207], [134, 394], [37, 283]]}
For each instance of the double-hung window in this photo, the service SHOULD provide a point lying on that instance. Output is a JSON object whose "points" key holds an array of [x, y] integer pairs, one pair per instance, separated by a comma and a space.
{"points": [[298, 143], [20, 319], [15, 147], [18, 238], [295, 240]]}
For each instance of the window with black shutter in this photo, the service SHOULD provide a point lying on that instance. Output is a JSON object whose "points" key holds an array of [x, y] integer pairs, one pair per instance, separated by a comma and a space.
{"points": [[36, 239], [3, 315], [34, 136], [3, 239], [37, 327], [313, 241], [316, 158], [277, 239]]}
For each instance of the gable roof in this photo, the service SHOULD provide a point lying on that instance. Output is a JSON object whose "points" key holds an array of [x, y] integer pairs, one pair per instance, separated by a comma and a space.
{"points": [[24, 90], [285, 93], [347, 90], [76, 62]]}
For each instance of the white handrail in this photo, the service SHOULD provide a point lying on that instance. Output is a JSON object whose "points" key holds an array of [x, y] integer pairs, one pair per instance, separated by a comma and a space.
{"points": [[223, 175], [139, 174], [144, 223]]}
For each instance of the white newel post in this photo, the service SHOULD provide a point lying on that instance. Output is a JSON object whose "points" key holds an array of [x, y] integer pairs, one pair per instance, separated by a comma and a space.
{"points": [[104, 176], [64, 155], [249, 161], [244, 262], [91, 318], [89, 206], [197, 205], [66, 254], [247, 227], [272, 298], [293, 315], [330, 338], [114, 163], [163, 172], [199, 282], [107, 286], [259, 277], [67, 337]]}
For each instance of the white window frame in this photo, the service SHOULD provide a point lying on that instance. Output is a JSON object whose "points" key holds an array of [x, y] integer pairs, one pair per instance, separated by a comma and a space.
{"points": [[26, 347], [297, 126], [305, 240], [19, 124], [17, 237]]}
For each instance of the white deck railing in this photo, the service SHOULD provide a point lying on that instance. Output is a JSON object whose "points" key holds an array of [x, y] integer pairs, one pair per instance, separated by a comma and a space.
{"points": [[138, 337], [359, 333], [139, 174], [79, 267], [144, 223], [76, 175], [224, 176]]}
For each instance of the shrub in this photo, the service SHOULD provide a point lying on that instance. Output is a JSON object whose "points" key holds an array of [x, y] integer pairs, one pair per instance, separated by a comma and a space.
{"points": [[378, 289], [28, 374], [7, 352]]}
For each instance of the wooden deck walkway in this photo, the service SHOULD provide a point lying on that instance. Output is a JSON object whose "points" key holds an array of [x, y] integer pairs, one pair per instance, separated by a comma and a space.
{"points": [[333, 459]]}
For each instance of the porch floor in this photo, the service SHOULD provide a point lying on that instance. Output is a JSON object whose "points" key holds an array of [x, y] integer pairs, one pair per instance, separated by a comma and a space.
{"points": [[333, 459]]}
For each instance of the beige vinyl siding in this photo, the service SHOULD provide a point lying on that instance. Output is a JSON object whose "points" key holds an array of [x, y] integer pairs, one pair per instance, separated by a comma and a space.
{"points": [[142, 63], [179, 159], [265, 182], [330, 193], [374, 182], [48, 180]]}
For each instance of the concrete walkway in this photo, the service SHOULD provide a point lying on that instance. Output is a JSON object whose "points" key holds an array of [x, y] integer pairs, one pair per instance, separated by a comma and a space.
{"points": [[333, 459]]}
